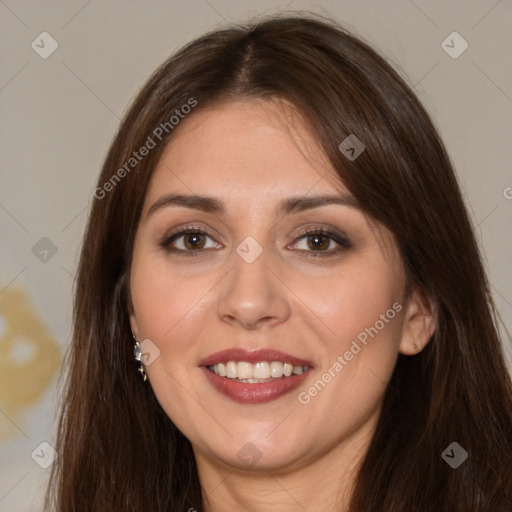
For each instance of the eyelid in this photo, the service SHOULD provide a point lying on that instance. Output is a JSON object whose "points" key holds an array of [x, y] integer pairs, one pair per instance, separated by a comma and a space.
{"points": [[319, 228], [206, 230]]}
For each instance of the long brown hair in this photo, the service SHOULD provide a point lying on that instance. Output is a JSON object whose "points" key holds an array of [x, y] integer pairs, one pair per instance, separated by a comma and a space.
{"points": [[118, 450]]}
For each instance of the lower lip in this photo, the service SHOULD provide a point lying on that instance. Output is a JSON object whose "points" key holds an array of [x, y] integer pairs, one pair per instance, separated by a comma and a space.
{"points": [[254, 393]]}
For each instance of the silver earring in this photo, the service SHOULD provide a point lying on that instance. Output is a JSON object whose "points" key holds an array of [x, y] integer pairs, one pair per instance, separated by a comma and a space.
{"points": [[137, 352]]}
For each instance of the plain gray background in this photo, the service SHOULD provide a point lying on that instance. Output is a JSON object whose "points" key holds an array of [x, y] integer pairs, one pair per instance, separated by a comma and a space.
{"points": [[59, 114]]}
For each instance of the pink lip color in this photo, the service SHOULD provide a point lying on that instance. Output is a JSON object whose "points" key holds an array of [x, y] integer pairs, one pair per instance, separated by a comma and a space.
{"points": [[253, 393]]}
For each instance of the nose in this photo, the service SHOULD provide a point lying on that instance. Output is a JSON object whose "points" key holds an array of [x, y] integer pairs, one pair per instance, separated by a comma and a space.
{"points": [[252, 296]]}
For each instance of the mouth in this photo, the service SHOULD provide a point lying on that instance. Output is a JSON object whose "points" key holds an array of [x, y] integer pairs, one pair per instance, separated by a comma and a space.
{"points": [[255, 373], [254, 376]]}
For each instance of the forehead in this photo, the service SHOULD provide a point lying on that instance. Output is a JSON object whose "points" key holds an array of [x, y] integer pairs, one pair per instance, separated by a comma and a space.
{"points": [[261, 147]]}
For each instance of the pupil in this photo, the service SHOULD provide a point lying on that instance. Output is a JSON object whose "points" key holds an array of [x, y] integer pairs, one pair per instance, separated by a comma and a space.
{"points": [[193, 241]]}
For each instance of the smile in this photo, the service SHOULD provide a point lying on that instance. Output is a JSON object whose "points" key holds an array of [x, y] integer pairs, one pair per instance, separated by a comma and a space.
{"points": [[253, 373], [254, 376]]}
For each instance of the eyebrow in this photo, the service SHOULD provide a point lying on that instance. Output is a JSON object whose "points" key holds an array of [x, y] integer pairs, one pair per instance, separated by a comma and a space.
{"points": [[286, 207]]}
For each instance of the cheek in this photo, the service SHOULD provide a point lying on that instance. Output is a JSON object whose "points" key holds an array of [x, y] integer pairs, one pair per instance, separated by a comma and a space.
{"points": [[362, 310], [358, 363], [163, 299], [169, 312], [356, 301]]}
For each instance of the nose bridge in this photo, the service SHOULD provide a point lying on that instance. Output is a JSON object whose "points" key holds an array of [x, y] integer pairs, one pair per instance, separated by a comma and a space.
{"points": [[251, 293]]}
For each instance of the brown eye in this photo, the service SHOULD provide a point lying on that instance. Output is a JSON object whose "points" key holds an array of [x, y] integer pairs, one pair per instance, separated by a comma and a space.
{"points": [[321, 242], [318, 242], [194, 241], [189, 241]]}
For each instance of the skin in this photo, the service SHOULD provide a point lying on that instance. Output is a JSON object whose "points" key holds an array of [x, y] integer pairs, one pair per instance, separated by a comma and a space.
{"points": [[252, 155]]}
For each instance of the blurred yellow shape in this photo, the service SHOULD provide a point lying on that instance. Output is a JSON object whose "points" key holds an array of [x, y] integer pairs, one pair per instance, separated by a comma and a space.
{"points": [[30, 356]]}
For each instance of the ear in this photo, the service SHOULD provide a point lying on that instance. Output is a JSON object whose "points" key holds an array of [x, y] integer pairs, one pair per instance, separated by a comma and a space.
{"points": [[133, 319], [420, 320], [135, 326]]}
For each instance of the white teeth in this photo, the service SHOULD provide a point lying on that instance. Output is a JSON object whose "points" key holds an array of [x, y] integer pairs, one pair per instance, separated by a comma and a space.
{"points": [[262, 371], [231, 370], [276, 369], [244, 370], [287, 369]]}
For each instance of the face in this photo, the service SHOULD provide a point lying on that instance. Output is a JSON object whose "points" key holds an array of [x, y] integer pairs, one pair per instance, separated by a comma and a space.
{"points": [[252, 261]]}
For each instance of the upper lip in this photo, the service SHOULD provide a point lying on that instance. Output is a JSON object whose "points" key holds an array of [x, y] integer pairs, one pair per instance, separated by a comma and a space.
{"points": [[252, 356]]}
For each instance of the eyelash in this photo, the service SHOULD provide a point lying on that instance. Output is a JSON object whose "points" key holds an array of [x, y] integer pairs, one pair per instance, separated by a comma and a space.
{"points": [[342, 241]]}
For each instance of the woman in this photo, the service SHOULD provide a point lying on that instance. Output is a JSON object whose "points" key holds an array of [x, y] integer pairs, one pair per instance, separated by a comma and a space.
{"points": [[279, 247]]}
